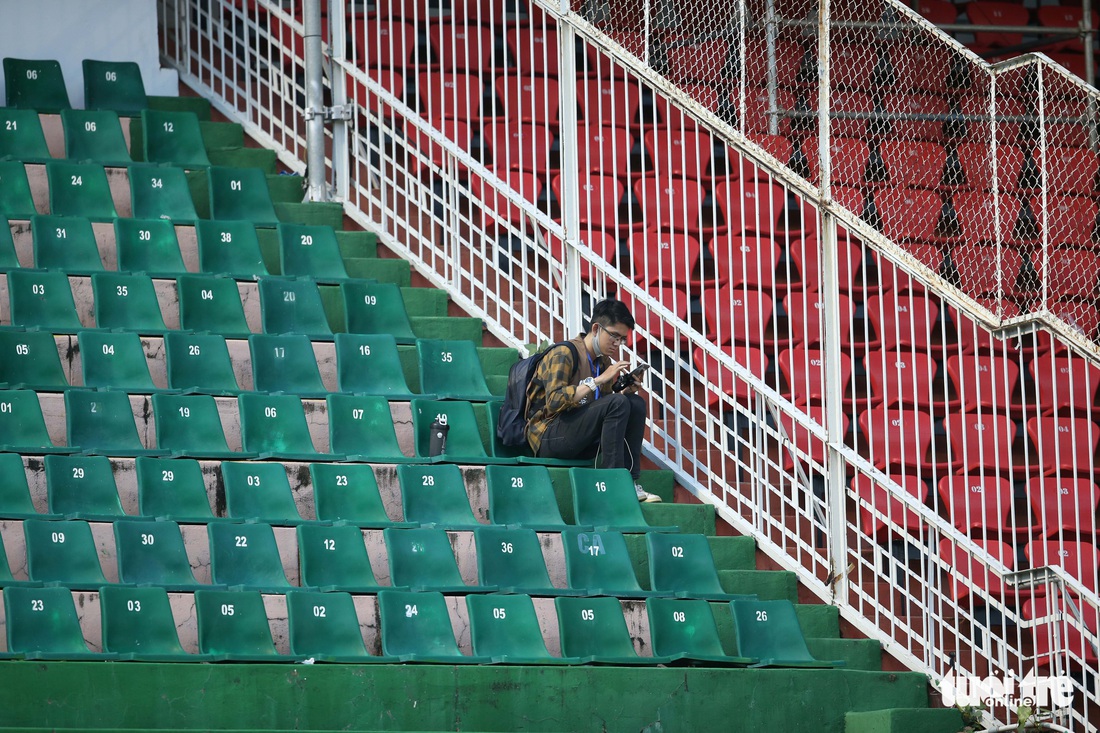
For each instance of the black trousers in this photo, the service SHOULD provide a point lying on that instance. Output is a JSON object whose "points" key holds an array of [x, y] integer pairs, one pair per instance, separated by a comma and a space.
{"points": [[611, 426]]}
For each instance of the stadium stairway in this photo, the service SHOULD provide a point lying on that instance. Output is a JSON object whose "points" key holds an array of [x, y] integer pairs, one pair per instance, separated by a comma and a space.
{"points": [[48, 685]]}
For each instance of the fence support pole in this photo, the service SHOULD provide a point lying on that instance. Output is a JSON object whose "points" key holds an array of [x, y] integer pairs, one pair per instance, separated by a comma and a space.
{"points": [[572, 310], [316, 189]]}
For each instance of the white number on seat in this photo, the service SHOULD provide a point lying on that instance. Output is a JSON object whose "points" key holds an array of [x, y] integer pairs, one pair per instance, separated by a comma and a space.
{"points": [[761, 615], [241, 541], [587, 614], [410, 610]]}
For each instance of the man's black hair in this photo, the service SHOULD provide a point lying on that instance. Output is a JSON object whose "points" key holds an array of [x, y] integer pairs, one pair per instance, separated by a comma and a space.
{"points": [[610, 311]]}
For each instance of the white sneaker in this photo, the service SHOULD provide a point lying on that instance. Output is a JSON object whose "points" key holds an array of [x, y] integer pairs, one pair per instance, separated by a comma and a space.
{"points": [[644, 496]]}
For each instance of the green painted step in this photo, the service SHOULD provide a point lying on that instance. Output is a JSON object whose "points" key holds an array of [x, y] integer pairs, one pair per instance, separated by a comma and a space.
{"points": [[198, 105], [769, 585], [691, 518], [290, 189], [733, 553], [449, 327], [137, 695], [865, 654], [425, 302], [654, 480], [224, 135], [818, 620], [241, 157], [904, 720], [289, 205], [357, 244], [382, 269]]}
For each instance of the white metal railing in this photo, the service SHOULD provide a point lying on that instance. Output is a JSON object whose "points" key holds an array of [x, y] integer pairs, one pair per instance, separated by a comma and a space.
{"points": [[829, 332]]}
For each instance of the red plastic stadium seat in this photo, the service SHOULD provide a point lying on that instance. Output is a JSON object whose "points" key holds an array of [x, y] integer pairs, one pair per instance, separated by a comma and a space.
{"points": [[1063, 506], [411, 10], [1063, 383], [1078, 558], [880, 510], [778, 146], [904, 377], [984, 442], [977, 165], [987, 12], [671, 203], [690, 61], [985, 382], [675, 118], [609, 102], [924, 68], [976, 212], [1072, 170], [534, 49], [599, 199], [746, 260], [903, 113], [759, 112], [677, 152], [981, 505], [802, 442], [1075, 650], [519, 146], [674, 299], [494, 12], [1064, 446], [966, 574], [901, 320], [383, 42], [457, 131], [496, 209], [664, 257], [446, 95], [909, 214], [1064, 16], [462, 46], [605, 243], [985, 269], [913, 163], [1080, 315], [737, 315], [721, 381], [939, 12], [1070, 273], [390, 80], [900, 439], [604, 148], [752, 206], [804, 312], [807, 259], [804, 371], [980, 130], [528, 99], [852, 65], [1071, 219], [787, 62], [849, 157]]}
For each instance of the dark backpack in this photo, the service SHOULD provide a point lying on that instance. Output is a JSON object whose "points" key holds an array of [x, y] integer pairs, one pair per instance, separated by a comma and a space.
{"points": [[512, 423]]}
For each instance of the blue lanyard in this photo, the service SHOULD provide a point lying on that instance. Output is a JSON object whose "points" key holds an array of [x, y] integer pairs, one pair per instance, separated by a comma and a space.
{"points": [[595, 373]]}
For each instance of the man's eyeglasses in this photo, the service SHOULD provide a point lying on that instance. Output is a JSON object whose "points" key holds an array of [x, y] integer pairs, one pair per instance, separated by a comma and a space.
{"points": [[616, 338]]}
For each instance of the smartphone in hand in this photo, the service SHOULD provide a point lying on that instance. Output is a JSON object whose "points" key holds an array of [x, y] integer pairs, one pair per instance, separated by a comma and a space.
{"points": [[627, 379]]}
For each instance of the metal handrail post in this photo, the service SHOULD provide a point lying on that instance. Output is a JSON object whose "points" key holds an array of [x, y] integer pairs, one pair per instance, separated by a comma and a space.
{"points": [[315, 100], [572, 307]]}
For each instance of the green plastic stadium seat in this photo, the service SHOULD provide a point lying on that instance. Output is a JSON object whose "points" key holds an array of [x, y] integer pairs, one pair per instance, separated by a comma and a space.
{"points": [[42, 300], [80, 189], [9, 260], [114, 360], [16, 201], [62, 552], [173, 138], [94, 135], [285, 363], [259, 491], [417, 628], [605, 497], [594, 630], [21, 136], [361, 427], [683, 565], [463, 437], [114, 85], [127, 302], [211, 304], [37, 84], [422, 558], [684, 631], [30, 359], [451, 369], [376, 308], [199, 363], [311, 251], [241, 193], [506, 629], [370, 365], [598, 563], [436, 496], [233, 626], [274, 426], [348, 493], [161, 192], [6, 578], [524, 496], [153, 553], [769, 631], [42, 624], [246, 555], [325, 627], [511, 559], [137, 624], [82, 487], [230, 248], [293, 306], [65, 243], [149, 246], [334, 557], [15, 493], [172, 488], [189, 425], [24, 428], [103, 422]]}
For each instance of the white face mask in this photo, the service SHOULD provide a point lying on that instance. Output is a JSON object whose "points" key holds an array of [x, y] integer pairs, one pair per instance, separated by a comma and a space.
{"points": [[596, 341]]}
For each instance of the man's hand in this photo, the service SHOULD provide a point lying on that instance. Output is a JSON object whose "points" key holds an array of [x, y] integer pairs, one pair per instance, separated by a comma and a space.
{"points": [[609, 375]]}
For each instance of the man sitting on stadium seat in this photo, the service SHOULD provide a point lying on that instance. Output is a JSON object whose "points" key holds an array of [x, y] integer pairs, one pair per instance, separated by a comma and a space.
{"points": [[573, 411]]}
